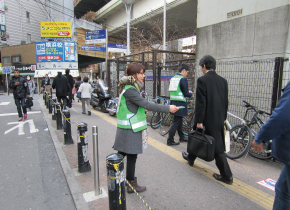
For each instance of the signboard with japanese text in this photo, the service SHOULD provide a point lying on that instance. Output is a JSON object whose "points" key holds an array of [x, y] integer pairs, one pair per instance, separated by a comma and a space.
{"points": [[112, 47], [94, 37], [3, 33], [55, 51], [2, 6], [55, 29], [93, 48]]}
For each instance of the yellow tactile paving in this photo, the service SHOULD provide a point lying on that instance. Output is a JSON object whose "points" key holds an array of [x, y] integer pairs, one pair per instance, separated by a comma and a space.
{"points": [[242, 188]]}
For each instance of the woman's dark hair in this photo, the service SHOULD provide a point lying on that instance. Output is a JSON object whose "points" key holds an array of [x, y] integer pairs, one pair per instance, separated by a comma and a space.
{"points": [[79, 78], [86, 79], [135, 68], [208, 61]]}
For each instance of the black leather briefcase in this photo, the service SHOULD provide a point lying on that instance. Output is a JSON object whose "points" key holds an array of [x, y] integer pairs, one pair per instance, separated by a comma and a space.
{"points": [[201, 145]]}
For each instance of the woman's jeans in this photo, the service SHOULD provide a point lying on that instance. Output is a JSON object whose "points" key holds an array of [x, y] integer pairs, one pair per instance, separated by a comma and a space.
{"points": [[20, 102], [282, 189]]}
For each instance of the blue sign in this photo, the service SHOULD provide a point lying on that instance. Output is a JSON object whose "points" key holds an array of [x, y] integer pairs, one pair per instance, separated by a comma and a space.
{"points": [[101, 36], [97, 32], [93, 48], [6, 70], [55, 51]]}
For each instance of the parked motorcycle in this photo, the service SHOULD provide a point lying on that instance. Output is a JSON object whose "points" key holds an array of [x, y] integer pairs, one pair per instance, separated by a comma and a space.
{"points": [[100, 96], [112, 106]]}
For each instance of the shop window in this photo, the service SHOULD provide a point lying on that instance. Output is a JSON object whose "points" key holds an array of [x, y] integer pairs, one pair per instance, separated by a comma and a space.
{"points": [[28, 17]]}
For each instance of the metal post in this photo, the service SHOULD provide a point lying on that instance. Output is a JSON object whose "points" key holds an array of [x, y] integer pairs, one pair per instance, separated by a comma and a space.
{"points": [[44, 98], [50, 101], [277, 83], [96, 161], [116, 182], [164, 32], [83, 161], [53, 109], [67, 127], [154, 73], [58, 116]]}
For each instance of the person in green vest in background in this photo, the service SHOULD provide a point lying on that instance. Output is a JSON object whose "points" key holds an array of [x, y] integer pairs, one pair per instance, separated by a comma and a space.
{"points": [[178, 91], [131, 137]]}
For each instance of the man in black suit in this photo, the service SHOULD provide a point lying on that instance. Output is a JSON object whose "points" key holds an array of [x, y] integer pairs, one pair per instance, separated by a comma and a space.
{"points": [[210, 113]]}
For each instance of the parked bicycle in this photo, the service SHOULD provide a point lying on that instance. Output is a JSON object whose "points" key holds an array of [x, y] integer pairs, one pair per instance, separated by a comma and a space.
{"points": [[241, 136], [157, 117]]}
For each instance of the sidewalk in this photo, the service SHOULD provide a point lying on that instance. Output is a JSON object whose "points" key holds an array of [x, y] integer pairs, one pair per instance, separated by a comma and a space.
{"points": [[170, 182]]}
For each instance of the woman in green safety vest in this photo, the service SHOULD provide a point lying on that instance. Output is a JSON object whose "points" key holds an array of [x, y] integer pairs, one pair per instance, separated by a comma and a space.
{"points": [[131, 136]]}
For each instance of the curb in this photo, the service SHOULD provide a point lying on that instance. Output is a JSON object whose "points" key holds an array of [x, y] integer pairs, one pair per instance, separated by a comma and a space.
{"points": [[73, 184]]}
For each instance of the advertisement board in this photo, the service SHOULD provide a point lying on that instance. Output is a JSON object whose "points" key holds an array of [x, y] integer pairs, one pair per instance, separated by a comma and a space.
{"points": [[55, 51], [95, 37], [55, 29]]}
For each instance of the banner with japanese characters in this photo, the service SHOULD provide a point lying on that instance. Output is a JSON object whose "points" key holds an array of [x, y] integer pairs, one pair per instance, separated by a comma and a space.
{"points": [[55, 29]]}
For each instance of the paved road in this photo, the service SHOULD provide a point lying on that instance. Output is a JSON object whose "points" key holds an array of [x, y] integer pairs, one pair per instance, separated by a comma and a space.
{"points": [[30, 171], [32, 161]]}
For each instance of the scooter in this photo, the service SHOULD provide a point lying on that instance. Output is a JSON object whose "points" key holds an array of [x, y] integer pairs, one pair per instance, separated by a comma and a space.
{"points": [[100, 96], [112, 106]]}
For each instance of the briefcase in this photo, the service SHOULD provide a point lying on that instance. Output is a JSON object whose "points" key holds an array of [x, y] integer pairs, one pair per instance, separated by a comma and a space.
{"points": [[201, 145]]}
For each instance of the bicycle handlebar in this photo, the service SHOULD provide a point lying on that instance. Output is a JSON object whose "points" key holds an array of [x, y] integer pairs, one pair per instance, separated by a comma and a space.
{"points": [[249, 106]]}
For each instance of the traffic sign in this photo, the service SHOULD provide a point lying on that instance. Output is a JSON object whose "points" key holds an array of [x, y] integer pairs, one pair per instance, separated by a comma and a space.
{"points": [[7, 70]]}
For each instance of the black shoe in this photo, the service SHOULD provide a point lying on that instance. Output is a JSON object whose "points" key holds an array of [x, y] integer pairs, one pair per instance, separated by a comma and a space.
{"points": [[183, 139], [223, 179], [172, 143], [185, 157], [89, 113]]}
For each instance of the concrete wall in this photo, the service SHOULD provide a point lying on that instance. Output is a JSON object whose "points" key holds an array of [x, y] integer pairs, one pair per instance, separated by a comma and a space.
{"points": [[261, 35], [17, 26]]}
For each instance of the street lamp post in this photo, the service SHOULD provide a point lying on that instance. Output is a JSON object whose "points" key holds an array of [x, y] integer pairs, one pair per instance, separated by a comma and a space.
{"points": [[128, 6]]}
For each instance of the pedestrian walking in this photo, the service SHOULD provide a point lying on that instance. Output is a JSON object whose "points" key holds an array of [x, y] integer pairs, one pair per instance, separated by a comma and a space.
{"points": [[131, 135], [178, 91], [42, 86], [277, 129], [32, 87], [77, 85], [47, 83], [86, 90], [210, 114], [60, 83], [20, 92], [71, 84]]}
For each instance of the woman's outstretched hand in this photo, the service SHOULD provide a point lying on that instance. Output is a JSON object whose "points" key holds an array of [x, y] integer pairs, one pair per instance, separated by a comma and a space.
{"points": [[173, 108]]}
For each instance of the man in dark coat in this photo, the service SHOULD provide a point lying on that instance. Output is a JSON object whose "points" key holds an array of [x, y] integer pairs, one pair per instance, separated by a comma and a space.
{"points": [[178, 91], [20, 92], [210, 113], [71, 84], [61, 84]]}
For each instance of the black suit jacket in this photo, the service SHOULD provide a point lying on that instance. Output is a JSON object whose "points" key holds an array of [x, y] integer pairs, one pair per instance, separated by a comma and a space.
{"points": [[211, 106]]}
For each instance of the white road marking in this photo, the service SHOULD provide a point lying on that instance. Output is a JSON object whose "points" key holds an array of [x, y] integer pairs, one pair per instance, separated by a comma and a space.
{"points": [[28, 113], [4, 103], [20, 127]]}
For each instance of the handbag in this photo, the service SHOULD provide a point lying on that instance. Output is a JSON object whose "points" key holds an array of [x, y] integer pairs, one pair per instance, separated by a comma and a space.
{"points": [[29, 102], [73, 90], [201, 145], [227, 141]]}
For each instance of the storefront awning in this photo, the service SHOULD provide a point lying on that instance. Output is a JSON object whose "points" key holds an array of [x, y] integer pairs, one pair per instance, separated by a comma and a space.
{"points": [[53, 72]]}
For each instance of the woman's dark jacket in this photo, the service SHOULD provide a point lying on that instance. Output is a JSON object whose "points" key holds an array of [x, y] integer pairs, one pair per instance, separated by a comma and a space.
{"points": [[60, 83], [21, 90]]}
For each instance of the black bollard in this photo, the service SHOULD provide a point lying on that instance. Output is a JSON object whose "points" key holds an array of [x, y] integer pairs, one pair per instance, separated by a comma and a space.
{"points": [[44, 95], [50, 101], [67, 127], [83, 161], [53, 109], [58, 116], [116, 182]]}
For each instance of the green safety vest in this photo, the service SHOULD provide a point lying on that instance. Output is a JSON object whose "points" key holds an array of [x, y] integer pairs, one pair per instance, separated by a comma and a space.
{"points": [[128, 120], [174, 88]]}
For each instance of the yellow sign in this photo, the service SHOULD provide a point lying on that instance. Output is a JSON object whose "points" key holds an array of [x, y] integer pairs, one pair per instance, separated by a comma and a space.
{"points": [[55, 29]]}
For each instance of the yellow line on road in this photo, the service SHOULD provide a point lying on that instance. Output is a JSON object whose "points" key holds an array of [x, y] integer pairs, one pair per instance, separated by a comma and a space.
{"points": [[242, 188]]}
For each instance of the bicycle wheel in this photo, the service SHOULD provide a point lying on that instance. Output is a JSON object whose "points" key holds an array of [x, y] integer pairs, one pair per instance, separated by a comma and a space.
{"points": [[187, 122], [113, 108], [240, 140], [156, 120], [165, 124], [262, 155]]}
